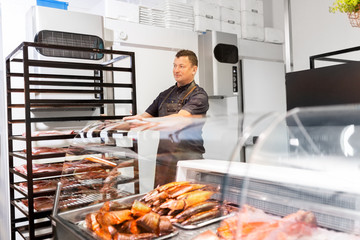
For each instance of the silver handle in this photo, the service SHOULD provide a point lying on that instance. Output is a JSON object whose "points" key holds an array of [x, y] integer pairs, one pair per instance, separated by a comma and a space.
{"points": [[56, 200]]}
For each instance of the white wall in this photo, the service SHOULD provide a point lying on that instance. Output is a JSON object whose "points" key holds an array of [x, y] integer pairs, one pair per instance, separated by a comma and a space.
{"points": [[4, 175], [13, 33], [14, 15], [315, 30], [155, 50], [278, 8]]}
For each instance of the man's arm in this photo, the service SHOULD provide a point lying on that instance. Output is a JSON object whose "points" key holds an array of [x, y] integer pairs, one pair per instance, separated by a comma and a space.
{"points": [[181, 113], [138, 116], [197, 105]]}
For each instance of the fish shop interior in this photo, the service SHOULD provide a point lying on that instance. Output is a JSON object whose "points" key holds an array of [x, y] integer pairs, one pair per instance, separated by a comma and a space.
{"points": [[181, 119]]}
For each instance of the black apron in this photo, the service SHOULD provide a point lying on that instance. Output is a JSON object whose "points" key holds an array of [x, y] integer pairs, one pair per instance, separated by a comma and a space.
{"points": [[169, 151], [166, 109]]}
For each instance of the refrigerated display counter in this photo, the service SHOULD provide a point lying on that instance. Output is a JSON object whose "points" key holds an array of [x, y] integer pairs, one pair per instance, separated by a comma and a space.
{"points": [[129, 168], [299, 180]]}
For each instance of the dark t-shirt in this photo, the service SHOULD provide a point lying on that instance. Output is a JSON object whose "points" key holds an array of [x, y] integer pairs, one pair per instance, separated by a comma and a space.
{"points": [[196, 103]]}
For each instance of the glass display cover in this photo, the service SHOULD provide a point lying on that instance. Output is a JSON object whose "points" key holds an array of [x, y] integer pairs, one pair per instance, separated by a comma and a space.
{"points": [[301, 180], [148, 178]]}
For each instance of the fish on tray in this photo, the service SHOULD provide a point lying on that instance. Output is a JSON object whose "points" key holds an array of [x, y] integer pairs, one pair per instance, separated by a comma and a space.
{"points": [[254, 224], [50, 132], [42, 150], [40, 168], [196, 209], [154, 214], [47, 184], [136, 222], [185, 203], [46, 203]]}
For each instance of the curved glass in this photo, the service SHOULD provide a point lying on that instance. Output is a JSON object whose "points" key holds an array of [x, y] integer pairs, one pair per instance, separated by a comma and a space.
{"points": [[302, 179], [154, 178]]}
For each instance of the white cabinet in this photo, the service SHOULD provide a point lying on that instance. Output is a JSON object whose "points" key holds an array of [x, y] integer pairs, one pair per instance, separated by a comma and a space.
{"points": [[263, 86], [274, 35], [207, 16], [202, 24], [230, 20], [253, 32], [255, 6], [206, 9]]}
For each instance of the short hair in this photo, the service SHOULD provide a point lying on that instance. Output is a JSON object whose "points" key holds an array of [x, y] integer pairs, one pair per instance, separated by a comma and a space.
{"points": [[190, 54]]}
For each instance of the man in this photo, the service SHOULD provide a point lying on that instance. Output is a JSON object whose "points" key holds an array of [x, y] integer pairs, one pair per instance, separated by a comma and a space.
{"points": [[184, 99]]}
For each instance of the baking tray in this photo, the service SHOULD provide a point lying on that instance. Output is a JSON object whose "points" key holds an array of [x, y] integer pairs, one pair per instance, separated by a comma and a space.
{"points": [[83, 228], [202, 224], [76, 217]]}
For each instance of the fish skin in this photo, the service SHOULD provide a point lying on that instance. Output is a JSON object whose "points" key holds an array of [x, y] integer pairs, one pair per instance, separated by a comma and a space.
{"points": [[174, 204], [187, 200], [114, 217], [185, 189], [197, 208], [103, 234], [197, 197], [169, 185], [139, 209], [91, 222], [202, 216], [150, 195], [129, 227], [165, 226], [149, 222]]}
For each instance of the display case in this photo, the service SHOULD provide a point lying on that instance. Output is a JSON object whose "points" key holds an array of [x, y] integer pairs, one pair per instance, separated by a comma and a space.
{"points": [[301, 181], [163, 206], [299, 178]]}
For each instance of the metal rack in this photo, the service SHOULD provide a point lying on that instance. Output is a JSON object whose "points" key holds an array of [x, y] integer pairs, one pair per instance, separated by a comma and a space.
{"points": [[95, 100], [327, 56]]}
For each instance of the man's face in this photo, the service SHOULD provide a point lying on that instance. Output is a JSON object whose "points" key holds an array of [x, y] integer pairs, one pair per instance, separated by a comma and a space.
{"points": [[183, 71]]}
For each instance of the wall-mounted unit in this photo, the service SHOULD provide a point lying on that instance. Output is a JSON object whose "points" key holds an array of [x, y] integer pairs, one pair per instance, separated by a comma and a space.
{"points": [[219, 64], [54, 26]]}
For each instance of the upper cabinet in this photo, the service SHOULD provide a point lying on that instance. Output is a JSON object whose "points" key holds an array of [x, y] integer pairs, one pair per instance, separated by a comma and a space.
{"points": [[256, 20]]}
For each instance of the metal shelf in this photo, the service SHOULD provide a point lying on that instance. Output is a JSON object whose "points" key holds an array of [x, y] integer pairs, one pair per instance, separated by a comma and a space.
{"points": [[42, 138], [23, 209], [43, 231], [121, 180], [62, 119], [62, 79], [22, 155]]}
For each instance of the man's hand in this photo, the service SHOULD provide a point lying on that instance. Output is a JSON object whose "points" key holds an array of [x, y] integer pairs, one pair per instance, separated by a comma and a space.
{"points": [[137, 120], [138, 117]]}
